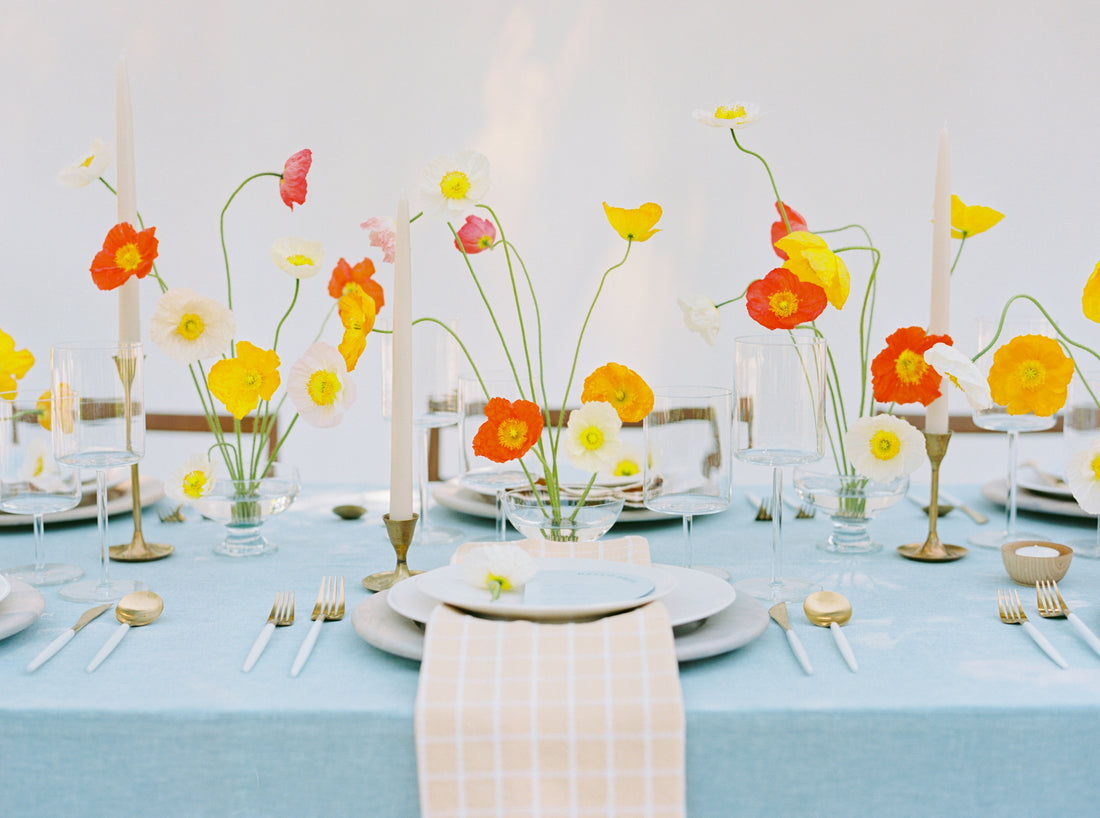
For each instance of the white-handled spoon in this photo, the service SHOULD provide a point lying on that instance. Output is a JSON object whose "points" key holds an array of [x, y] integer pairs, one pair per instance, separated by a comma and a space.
{"points": [[831, 610], [133, 610]]}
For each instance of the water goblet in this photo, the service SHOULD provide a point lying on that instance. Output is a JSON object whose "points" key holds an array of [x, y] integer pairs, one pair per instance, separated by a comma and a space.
{"points": [[32, 482], [1081, 423], [780, 391], [996, 418], [98, 422], [687, 465]]}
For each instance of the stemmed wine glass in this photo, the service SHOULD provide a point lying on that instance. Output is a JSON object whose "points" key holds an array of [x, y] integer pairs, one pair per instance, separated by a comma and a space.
{"points": [[996, 418], [688, 469], [780, 390], [98, 422], [32, 482], [1081, 423]]}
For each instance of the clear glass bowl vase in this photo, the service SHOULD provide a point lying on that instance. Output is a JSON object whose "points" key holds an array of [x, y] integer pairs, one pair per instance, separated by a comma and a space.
{"points": [[567, 518], [851, 502], [243, 506]]}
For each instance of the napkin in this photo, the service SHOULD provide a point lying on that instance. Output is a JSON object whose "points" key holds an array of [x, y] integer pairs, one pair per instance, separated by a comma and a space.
{"points": [[621, 549], [526, 718]]}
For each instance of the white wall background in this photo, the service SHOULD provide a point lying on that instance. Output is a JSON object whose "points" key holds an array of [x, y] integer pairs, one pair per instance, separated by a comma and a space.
{"points": [[574, 103]]}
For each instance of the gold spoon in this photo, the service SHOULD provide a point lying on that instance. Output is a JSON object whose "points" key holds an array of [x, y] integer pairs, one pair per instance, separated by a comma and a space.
{"points": [[133, 610], [829, 609]]}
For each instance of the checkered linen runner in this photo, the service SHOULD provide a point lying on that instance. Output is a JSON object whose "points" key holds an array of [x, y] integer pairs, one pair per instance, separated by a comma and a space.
{"points": [[532, 719]]}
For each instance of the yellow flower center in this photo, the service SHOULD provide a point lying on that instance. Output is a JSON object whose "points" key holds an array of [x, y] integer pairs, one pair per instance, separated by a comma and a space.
{"points": [[620, 396], [885, 445], [322, 387], [724, 112], [128, 257], [484, 242], [910, 367], [592, 438], [87, 163], [1095, 464], [1031, 374], [454, 185], [39, 466], [298, 260], [251, 378], [195, 483], [626, 468], [783, 303], [512, 433], [191, 326]]}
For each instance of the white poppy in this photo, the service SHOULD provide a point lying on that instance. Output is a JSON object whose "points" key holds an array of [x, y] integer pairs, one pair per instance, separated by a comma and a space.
{"points": [[301, 258], [736, 116], [498, 568], [192, 480], [188, 327], [320, 387], [963, 372], [701, 316], [454, 183], [883, 447], [592, 436], [1083, 476], [87, 168]]}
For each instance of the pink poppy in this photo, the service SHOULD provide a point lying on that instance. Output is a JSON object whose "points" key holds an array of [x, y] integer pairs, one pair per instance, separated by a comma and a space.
{"points": [[292, 187], [383, 233], [476, 235]]}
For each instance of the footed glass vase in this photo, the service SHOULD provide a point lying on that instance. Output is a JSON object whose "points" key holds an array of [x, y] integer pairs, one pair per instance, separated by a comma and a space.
{"points": [[243, 506], [572, 516], [851, 503]]}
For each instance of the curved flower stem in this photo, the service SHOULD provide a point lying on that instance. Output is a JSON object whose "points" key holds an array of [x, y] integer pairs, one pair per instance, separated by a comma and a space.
{"points": [[489, 307], [453, 334], [775, 189], [538, 324], [221, 230], [744, 292], [859, 227], [279, 445], [959, 253], [141, 223], [866, 315], [324, 323], [212, 418], [293, 301]]}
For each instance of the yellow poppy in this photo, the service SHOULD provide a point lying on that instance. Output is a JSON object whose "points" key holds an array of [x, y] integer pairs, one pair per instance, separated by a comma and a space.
{"points": [[14, 364], [1030, 373], [357, 314], [970, 220], [636, 224], [241, 382], [809, 258], [623, 388], [1090, 298]]}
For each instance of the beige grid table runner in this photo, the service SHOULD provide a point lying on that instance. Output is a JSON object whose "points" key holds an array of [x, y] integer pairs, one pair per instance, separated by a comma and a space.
{"points": [[519, 718]]}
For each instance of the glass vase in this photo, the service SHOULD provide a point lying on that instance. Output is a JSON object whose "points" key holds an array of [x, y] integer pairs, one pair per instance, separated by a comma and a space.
{"points": [[851, 502], [573, 516], [243, 506]]}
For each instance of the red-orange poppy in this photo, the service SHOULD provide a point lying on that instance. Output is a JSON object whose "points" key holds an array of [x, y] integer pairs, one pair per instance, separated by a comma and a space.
{"points": [[292, 187], [125, 252], [511, 430], [899, 374], [779, 229], [344, 274], [780, 300]]}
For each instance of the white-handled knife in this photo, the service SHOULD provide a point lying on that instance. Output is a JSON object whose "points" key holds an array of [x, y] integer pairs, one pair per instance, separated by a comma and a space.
{"points": [[778, 612], [67, 634]]}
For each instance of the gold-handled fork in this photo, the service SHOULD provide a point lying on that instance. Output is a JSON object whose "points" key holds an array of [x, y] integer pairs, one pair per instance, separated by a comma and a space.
{"points": [[1012, 613], [329, 607], [167, 514], [763, 507], [282, 614], [1052, 606]]}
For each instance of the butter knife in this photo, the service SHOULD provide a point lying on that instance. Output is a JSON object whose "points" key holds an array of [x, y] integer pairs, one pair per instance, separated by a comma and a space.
{"points": [[67, 634], [976, 516], [778, 612]]}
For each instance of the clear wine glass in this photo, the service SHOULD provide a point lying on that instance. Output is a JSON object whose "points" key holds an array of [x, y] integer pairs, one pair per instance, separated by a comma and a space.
{"points": [[1081, 423], [780, 391], [688, 469], [32, 481], [480, 474], [98, 422], [996, 418], [435, 402]]}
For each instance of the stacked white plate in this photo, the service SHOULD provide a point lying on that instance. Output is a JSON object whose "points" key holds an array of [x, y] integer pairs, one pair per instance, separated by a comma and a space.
{"points": [[708, 617]]}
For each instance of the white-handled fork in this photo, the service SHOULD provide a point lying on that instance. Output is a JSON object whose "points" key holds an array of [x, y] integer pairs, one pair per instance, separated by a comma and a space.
{"points": [[282, 614], [329, 606]]}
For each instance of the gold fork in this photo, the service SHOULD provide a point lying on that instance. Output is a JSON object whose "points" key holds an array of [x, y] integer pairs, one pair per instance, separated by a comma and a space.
{"points": [[282, 614], [171, 515], [1012, 613], [1052, 606], [330, 607]]}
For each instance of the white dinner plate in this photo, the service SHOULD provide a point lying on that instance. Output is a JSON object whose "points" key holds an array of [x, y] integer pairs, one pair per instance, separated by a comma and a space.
{"points": [[119, 500], [5, 587], [453, 495], [561, 590], [997, 491], [697, 595], [22, 608], [734, 627], [1027, 480]]}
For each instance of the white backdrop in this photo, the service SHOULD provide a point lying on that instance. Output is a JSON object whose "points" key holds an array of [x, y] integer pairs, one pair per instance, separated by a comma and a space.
{"points": [[574, 103]]}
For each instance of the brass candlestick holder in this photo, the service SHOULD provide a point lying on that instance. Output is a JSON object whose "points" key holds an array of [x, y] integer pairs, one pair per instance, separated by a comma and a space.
{"points": [[138, 550], [401, 534], [932, 549]]}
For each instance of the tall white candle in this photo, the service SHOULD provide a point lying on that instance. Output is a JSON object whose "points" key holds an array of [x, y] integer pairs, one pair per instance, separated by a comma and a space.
{"points": [[939, 321], [401, 416], [129, 316]]}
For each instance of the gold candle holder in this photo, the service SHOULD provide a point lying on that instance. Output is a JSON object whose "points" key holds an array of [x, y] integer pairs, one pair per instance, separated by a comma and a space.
{"points": [[138, 550], [401, 534], [932, 550]]}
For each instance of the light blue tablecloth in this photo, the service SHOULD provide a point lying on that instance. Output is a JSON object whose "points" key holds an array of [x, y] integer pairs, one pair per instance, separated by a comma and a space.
{"points": [[951, 713]]}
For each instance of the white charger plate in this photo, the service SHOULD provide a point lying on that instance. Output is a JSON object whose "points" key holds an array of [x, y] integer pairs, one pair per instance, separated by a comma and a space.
{"points": [[697, 596], [119, 500], [731, 628], [606, 587], [997, 491], [453, 495], [5, 587], [21, 609]]}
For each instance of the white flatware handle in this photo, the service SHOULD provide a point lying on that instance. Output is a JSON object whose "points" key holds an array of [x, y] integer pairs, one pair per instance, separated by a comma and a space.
{"points": [[1048, 648], [52, 648], [307, 647], [1083, 629], [108, 646], [845, 648], [799, 652], [258, 646]]}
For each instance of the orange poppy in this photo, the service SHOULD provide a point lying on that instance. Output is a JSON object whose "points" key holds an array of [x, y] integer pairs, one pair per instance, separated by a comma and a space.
{"points": [[899, 374], [125, 252], [623, 388], [1030, 373], [511, 430], [344, 274], [780, 300]]}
